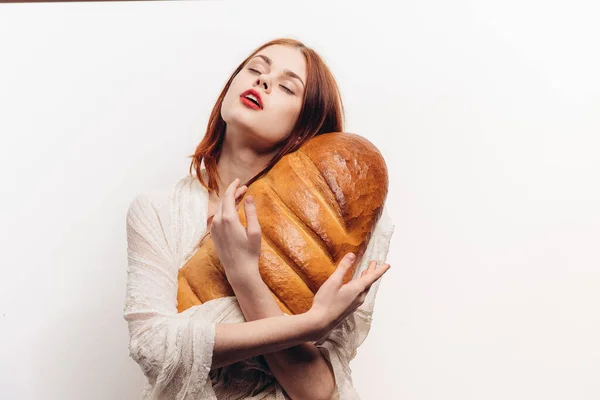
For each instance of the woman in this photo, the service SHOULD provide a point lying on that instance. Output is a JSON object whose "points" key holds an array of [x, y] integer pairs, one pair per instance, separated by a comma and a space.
{"points": [[244, 347]]}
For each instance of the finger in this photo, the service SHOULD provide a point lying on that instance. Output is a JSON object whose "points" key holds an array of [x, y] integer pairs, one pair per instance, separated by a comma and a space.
{"points": [[375, 274], [370, 268], [240, 196], [239, 193], [344, 265], [228, 202], [253, 228], [218, 215], [369, 276]]}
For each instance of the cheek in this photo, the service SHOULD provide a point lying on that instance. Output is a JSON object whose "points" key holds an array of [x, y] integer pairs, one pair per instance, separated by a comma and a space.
{"points": [[283, 118], [290, 110], [236, 87], [228, 102]]}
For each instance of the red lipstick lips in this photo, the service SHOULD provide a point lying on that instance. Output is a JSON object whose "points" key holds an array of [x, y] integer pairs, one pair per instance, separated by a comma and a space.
{"points": [[251, 98]]}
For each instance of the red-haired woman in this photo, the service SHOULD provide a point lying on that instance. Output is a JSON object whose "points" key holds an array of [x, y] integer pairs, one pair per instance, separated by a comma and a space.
{"points": [[244, 347]]}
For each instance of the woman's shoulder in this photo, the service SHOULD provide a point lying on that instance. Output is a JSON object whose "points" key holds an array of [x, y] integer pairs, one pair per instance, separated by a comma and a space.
{"points": [[174, 211], [160, 200], [151, 198], [160, 194]]}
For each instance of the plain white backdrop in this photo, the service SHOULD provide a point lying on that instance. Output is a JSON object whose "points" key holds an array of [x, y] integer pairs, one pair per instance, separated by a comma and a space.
{"points": [[487, 113]]}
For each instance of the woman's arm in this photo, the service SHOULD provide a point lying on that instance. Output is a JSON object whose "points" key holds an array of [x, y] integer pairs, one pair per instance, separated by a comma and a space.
{"points": [[301, 370], [305, 366], [237, 342]]}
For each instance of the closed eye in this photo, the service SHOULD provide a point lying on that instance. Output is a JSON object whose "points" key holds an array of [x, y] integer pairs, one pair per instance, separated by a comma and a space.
{"points": [[286, 89]]}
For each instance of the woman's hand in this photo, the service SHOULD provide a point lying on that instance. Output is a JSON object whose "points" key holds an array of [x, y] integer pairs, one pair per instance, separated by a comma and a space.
{"points": [[238, 247], [334, 300]]}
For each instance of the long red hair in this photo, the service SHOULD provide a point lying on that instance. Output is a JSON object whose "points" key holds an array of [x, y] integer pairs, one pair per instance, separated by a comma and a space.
{"points": [[321, 112]]}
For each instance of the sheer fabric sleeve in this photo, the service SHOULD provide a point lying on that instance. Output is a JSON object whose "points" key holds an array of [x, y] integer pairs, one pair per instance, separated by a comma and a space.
{"points": [[173, 350], [341, 344]]}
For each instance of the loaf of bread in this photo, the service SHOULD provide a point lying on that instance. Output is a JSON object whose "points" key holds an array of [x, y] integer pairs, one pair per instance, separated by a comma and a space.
{"points": [[314, 206]]}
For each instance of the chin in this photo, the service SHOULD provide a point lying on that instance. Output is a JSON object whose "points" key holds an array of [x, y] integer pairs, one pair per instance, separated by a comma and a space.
{"points": [[241, 120]]}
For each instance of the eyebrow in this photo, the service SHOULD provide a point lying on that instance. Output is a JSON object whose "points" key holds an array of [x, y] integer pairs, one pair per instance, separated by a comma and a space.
{"points": [[286, 72]]}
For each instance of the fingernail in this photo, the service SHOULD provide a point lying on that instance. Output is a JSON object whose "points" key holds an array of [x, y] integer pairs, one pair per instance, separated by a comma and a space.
{"points": [[351, 256]]}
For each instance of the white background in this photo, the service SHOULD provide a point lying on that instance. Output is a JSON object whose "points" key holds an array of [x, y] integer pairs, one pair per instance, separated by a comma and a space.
{"points": [[487, 113]]}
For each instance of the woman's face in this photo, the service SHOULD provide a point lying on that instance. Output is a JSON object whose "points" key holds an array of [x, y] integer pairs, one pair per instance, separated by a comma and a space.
{"points": [[274, 78]]}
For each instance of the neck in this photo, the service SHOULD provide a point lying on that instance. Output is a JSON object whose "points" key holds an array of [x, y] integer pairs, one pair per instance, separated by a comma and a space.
{"points": [[240, 159]]}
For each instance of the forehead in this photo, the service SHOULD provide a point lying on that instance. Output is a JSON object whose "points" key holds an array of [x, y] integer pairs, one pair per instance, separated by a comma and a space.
{"points": [[286, 57]]}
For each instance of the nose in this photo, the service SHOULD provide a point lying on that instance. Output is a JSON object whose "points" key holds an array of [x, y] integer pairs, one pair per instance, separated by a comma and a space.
{"points": [[264, 82]]}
